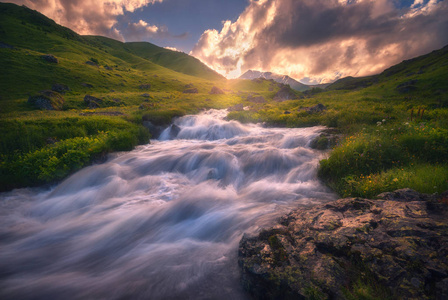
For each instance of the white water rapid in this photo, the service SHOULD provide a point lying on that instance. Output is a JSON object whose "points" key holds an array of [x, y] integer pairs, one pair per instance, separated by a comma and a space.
{"points": [[160, 222]]}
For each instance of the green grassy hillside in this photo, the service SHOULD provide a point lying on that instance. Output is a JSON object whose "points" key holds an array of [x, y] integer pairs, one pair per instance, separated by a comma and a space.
{"points": [[395, 123], [173, 60], [133, 82]]}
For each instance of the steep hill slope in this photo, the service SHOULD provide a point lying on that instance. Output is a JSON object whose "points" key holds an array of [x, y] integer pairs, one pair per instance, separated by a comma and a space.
{"points": [[177, 61], [26, 35], [426, 72]]}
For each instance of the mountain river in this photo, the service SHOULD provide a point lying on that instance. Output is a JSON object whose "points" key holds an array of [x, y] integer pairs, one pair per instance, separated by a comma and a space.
{"points": [[160, 222]]}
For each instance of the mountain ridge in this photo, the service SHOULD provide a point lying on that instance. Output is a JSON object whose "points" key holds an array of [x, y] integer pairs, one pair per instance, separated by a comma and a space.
{"points": [[26, 17], [283, 79]]}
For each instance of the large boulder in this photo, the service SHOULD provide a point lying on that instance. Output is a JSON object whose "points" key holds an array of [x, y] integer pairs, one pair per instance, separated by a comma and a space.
{"points": [[50, 58], [397, 246], [285, 93], [93, 102], [216, 91], [47, 100]]}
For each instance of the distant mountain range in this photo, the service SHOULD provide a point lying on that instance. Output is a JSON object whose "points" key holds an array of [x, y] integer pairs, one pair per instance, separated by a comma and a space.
{"points": [[285, 79]]}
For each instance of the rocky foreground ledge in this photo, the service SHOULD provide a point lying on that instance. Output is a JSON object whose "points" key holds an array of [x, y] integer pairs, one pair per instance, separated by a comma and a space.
{"points": [[395, 247]]}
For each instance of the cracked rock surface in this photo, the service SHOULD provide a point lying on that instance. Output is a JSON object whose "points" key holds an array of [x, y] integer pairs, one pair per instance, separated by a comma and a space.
{"points": [[398, 243]]}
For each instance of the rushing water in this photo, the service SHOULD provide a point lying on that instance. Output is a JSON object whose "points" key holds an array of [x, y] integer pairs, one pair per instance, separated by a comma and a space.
{"points": [[160, 222]]}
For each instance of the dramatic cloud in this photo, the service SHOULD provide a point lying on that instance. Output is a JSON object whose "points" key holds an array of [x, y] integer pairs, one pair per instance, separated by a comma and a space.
{"points": [[142, 30], [322, 40], [98, 17]]}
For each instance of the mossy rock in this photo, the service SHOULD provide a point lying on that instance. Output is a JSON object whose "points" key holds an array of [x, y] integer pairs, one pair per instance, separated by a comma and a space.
{"points": [[390, 248], [47, 100]]}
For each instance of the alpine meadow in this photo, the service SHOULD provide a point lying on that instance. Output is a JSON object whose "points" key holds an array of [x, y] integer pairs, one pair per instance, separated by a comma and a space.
{"points": [[133, 171]]}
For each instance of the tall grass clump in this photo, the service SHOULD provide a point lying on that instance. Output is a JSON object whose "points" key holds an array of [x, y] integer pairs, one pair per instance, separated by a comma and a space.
{"points": [[48, 150], [388, 157]]}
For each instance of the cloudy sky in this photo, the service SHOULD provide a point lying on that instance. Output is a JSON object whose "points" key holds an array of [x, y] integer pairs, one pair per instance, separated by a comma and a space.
{"points": [[314, 41]]}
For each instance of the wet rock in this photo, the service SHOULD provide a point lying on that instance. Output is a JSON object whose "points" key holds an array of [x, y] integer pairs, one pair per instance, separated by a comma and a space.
{"points": [[285, 93], [325, 141], [50, 58], [92, 102], [47, 100], [191, 91], [174, 131], [216, 91], [399, 244], [60, 88], [236, 107], [155, 130]]}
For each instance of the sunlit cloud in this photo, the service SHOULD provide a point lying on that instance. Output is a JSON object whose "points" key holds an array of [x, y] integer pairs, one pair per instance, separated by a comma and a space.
{"points": [[323, 40], [95, 17], [173, 49]]}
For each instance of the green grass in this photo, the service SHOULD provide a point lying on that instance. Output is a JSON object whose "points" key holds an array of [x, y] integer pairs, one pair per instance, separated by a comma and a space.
{"points": [[389, 157]]}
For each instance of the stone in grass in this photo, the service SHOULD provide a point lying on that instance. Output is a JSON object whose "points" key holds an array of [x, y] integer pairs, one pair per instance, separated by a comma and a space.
{"points": [[146, 86], [314, 109], [91, 63], [397, 244], [92, 102], [50, 58], [5, 45], [47, 100], [60, 88], [285, 93], [87, 85], [216, 91], [256, 98], [191, 91]]}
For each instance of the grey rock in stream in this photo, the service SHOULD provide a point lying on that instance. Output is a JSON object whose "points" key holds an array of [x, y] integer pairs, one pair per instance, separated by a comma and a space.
{"points": [[398, 244]]}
